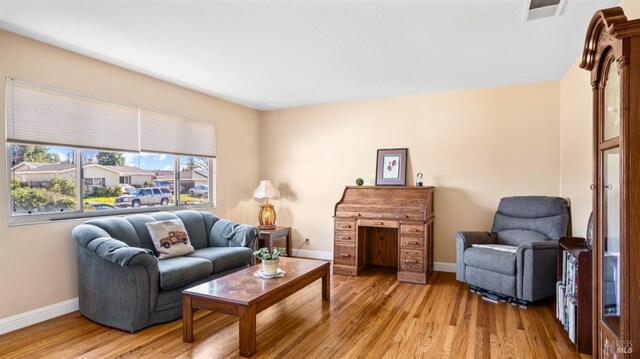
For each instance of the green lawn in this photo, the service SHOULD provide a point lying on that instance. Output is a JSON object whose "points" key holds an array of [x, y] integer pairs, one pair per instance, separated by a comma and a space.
{"points": [[107, 200], [184, 198]]}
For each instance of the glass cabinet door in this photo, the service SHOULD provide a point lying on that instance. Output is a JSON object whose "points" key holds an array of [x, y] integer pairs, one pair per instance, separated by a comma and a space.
{"points": [[610, 201], [612, 103], [611, 239]]}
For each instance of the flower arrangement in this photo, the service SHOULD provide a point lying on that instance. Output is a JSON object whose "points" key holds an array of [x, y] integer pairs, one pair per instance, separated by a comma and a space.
{"points": [[263, 253], [270, 261]]}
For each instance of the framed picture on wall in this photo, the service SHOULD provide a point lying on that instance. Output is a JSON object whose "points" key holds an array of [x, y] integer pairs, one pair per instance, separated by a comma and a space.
{"points": [[391, 167]]}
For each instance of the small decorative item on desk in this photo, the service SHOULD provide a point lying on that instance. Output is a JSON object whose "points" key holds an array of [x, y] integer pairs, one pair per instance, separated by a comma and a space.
{"points": [[359, 182], [419, 179], [270, 262]]}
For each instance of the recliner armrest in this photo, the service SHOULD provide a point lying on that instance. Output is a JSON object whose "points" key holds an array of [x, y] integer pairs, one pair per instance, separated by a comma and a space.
{"points": [[475, 237], [536, 265], [538, 245], [464, 240]]}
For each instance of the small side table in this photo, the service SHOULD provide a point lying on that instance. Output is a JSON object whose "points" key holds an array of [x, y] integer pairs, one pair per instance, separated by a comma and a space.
{"points": [[267, 237]]}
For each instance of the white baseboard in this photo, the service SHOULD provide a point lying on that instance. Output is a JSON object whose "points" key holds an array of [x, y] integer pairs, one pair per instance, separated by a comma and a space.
{"points": [[444, 267], [313, 254], [37, 315], [437, 266]]}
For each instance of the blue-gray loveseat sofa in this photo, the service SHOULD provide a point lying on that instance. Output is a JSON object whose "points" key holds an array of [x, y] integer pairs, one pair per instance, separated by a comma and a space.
{"points": [[123, 285]]}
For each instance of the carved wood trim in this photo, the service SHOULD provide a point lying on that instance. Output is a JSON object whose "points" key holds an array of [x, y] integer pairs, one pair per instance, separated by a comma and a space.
{"points": [[604, 22]]}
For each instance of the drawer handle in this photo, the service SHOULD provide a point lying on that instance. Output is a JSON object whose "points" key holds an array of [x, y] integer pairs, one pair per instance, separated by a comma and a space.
{"points": [[345, 255], [358, 215], [413, 242], [380, 223], [414, 231], [380, 216], [412, 261], [348, 226], [402, 216], [347, 237]]}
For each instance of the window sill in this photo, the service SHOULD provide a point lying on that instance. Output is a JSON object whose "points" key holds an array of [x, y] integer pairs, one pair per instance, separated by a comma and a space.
{"points": [[77, 215]]}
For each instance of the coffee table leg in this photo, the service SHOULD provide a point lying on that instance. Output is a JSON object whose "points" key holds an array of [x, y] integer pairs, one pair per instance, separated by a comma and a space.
{"points": [[187, 319], [247, 330], [326, 284]]}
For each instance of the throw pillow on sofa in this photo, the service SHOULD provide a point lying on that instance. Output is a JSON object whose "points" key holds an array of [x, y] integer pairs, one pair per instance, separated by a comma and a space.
{"points": [[170, 238]]}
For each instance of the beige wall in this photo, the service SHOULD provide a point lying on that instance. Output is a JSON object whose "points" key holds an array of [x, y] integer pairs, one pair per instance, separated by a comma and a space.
{"points": [[474, 146], [38, 262], [576, 135]]}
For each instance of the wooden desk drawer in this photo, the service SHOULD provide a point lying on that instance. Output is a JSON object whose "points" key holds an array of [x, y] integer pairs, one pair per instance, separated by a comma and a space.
{"points": [[411, 242], [411, 260], [345, 236], [345, 225], [412, 228], [409, 217], [384, 215], [378, 223], [344, 255]]}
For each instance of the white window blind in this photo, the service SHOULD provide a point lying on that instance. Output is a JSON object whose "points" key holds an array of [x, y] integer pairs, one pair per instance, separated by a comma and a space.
{"points": [[171, 134], [40, 115]]}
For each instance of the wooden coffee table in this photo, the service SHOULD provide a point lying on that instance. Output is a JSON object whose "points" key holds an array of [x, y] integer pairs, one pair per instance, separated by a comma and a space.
{"points": [[244, 295]]}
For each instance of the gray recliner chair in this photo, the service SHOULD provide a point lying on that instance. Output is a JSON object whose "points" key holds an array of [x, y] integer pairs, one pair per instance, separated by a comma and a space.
{"points": [[518, 257]]}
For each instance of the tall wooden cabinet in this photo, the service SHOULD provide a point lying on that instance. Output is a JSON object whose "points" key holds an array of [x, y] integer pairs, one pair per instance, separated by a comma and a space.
{"points": [[612, 55]]}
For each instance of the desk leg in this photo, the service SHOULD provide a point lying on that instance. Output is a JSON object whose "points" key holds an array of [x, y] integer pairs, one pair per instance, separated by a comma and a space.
{"points": [[326, 284], [247, 330], [187, 319]]}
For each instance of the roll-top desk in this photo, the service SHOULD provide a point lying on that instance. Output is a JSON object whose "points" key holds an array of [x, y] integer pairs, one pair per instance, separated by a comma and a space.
{"points": [[385, 226]]}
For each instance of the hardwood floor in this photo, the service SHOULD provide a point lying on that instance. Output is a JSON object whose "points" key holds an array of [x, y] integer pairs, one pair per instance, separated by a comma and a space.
{"points": [[372, 315]]}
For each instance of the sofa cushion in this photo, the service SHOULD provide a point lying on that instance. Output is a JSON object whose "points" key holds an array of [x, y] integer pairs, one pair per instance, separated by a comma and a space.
{"points": [[196, 226], [225, 258], [170, 238], [138, 222], [492, 260], [179, 271], [118, 228]]}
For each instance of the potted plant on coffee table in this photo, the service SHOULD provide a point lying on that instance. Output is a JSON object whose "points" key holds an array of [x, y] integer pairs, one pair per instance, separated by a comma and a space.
{"points": [[270, 261]]}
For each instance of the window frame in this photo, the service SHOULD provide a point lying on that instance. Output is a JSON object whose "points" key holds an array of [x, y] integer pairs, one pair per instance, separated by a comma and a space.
{"points": [[80, 213]]}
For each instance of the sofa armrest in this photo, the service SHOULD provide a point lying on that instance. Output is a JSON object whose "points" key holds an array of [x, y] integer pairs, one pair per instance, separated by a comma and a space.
{"points": [[117, 285], [118, 252], [232, 234], [464, 240]]}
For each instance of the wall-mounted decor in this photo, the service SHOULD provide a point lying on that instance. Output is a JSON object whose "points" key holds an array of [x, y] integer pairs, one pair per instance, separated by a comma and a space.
{"points": [[391, 167]]}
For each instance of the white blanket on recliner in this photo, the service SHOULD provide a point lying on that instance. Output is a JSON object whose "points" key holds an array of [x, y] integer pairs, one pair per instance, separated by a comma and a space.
{"points": [[498, 247]]}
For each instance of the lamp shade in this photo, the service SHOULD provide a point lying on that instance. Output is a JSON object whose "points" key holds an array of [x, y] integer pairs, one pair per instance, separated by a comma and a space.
{"points": [[266, 190]]}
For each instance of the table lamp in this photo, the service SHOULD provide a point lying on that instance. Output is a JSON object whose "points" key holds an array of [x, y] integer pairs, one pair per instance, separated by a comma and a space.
{"points": [[267, 215]]}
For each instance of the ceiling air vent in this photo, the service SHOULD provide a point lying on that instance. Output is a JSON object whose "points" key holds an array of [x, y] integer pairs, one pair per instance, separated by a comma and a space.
{"points": [[538, 9]]}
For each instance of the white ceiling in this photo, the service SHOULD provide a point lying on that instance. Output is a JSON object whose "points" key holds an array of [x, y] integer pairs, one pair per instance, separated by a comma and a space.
{"points": [[271, 54]]}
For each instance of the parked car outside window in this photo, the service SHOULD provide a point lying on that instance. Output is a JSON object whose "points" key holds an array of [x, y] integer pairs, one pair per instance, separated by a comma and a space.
{"points": [[145, 197], [200, 190], [126, 188]]}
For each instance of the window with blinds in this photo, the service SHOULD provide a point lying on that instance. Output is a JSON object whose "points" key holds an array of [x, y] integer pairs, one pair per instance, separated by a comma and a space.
{"points": [[73, 155]]}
